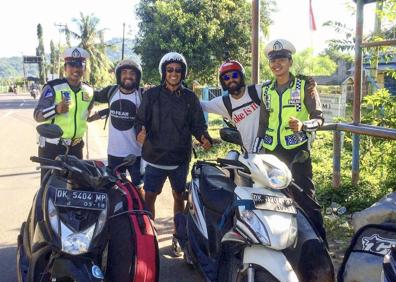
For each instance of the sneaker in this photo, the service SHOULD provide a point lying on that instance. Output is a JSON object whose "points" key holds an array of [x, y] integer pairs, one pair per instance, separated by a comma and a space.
{"points": [[176, 249]]}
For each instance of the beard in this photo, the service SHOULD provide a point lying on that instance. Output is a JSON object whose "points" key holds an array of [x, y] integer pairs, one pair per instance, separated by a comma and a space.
{"points": [[234, 88], [129, 86]]}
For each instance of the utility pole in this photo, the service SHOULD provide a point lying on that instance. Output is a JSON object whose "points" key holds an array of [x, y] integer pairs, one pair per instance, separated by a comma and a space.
{"points": [[123, 41], [255, 41], [60, 26]]}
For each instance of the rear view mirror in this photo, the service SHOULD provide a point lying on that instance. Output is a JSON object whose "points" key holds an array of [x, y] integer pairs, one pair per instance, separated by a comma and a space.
{"points": [[231, 135], [49, 130]]}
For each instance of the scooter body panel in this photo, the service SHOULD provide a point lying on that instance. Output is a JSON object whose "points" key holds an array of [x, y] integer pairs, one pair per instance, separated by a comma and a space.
{"points": [[271, 260], [281, 228]]}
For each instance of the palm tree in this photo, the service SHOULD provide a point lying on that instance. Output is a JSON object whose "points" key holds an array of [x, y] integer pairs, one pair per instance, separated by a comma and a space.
{"points": [[92, 40]]}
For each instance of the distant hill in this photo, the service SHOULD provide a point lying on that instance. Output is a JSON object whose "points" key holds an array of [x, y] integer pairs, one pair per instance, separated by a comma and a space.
{"points": [[12, 66]]}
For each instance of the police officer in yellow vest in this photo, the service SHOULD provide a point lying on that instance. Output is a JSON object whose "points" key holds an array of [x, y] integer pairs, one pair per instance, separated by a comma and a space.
{"points": [[288, 114], [66, 102]]}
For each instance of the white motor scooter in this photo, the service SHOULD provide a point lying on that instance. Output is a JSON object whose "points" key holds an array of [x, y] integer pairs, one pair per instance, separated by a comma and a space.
{"points": [[250, 232]]}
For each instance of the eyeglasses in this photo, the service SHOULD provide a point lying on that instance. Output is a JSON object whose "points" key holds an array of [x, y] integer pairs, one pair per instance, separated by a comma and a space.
{"points": [[234, 75], [177, 70]]}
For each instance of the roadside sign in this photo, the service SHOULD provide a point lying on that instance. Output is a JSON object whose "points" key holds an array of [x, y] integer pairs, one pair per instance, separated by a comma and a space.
{"points": [[31, 59], [333, 105]]}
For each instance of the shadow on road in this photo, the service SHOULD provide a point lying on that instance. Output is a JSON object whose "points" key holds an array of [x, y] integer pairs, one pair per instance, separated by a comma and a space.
{"points": [[172, 268], [7, 262]]}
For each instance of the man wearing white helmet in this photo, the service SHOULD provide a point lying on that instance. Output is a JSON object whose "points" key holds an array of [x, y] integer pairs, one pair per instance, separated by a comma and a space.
{"points": [[168, 117], [66, 102], [123, 99], [288, 115]]}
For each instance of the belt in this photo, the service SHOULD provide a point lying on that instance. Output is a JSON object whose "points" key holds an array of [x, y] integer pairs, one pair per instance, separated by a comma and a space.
{"points": [[69, 142]]}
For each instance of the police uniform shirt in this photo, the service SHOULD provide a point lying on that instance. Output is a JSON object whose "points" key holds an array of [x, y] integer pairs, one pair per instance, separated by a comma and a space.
{"points": [[312, 103]]}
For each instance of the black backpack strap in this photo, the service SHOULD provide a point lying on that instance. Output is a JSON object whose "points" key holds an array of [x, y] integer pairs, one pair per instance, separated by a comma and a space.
{"points": [[227, 104], [110, 94], [253, 94]]}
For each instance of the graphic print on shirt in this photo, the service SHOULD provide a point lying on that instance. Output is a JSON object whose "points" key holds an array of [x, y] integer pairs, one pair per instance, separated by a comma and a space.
{"points": [[123, 114], [244, 111]]}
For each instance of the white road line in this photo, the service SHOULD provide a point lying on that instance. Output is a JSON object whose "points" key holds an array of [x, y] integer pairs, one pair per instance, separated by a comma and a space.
{"points": [[7, 114]]}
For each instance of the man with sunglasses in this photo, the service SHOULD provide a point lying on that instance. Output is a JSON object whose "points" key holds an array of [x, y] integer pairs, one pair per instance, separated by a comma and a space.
{"points": [[241, 105], [289, 114], [66, 102], [167, 118]]}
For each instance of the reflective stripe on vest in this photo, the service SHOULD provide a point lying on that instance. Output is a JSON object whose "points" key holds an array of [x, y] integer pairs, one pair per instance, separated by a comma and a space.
{"points": [[280, 110], [74, 122]]}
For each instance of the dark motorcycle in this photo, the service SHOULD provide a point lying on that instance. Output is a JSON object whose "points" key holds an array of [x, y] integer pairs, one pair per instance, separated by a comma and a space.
{"points": [[65, 235], [240, 223]]}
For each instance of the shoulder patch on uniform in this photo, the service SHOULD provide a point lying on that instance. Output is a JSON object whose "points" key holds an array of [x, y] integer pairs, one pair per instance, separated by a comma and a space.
{"points": [[48, 93], [267, 82]]}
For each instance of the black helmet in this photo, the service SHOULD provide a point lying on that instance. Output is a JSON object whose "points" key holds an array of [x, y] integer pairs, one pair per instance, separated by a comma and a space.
{"points": [[128, 64], [172, 57]]}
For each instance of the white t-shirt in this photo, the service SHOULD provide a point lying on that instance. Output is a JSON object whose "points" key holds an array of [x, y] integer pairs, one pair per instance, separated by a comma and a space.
{"points": [[245, 118], [122, 135]]}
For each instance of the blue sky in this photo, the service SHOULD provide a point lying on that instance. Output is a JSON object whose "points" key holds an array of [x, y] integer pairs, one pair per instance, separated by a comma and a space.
{"points": [[20, 17]]}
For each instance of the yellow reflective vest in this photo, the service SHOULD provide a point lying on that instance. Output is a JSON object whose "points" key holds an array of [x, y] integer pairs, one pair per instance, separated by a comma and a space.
{"points": [[281, 108], [74, 122]]}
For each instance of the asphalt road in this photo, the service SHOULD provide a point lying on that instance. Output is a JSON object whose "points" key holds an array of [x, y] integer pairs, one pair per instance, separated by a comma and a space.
{"points": [[19, 181]]}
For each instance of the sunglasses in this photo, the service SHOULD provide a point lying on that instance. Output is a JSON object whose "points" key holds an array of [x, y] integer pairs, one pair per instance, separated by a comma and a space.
{"points": [[76, 64], [234, 75], [177, 70]]}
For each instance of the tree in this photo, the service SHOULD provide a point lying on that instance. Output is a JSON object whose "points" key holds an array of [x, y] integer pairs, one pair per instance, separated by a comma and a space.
{"points": [[40, 52], [206, 32], [54, 58], [306, 63], [91, 39]]}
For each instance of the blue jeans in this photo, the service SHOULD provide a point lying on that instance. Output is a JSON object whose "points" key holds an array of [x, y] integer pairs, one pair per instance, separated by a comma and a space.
{"points": [[134, 169], [154, 178]]}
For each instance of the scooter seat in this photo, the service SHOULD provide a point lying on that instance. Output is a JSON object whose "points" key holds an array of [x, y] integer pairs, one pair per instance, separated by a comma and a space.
{"points": [[216, 189]]}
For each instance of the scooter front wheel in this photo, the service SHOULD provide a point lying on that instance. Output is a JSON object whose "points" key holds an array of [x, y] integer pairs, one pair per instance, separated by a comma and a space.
{"points": [[231, 270]]}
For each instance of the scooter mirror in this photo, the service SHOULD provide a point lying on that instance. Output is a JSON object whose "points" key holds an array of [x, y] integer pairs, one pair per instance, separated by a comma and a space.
{"points": [[49, 130], [231, 135]]}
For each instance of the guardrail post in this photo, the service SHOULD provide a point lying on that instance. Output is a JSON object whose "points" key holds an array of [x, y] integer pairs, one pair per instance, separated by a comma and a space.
{"points": [[337, 145], [355, 158], [205, 97]]}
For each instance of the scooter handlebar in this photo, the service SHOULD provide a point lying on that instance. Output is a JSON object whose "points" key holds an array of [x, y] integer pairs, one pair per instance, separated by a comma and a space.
{"points": [[45, 161]]}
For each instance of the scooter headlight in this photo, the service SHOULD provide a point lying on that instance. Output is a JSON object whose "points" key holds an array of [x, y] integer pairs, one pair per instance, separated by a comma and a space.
{"points": [[254, 223], [76, 243], [278, 178]]}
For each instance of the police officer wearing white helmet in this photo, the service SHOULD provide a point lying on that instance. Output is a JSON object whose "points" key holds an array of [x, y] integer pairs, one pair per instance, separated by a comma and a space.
{"points": [[123, 99], [289, 114], [167, 118], [66, 102]]}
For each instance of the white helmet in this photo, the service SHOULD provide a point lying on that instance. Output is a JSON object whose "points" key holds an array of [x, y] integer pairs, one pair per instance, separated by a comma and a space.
{"points": [[172, 57], [128, 64]]}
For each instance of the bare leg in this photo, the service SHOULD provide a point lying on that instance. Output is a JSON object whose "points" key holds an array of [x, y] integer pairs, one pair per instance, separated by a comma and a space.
{"points": [[150, 198]]}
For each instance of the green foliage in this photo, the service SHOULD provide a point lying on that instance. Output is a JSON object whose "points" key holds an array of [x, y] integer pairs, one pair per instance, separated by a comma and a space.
{"points": [[377, 161], [91, 39], [206, 32], [305, 62], [41, 53]]}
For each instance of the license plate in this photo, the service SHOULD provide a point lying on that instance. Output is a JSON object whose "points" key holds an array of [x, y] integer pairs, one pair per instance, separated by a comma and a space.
{"points": [[273, 203], [80, 199]]}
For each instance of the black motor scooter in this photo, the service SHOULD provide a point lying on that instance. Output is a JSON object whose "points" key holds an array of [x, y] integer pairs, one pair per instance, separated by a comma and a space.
{"points": [[64, 237]]}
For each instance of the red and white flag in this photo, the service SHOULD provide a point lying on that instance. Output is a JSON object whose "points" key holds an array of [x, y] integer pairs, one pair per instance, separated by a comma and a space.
{"points": [[312, 24]]}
